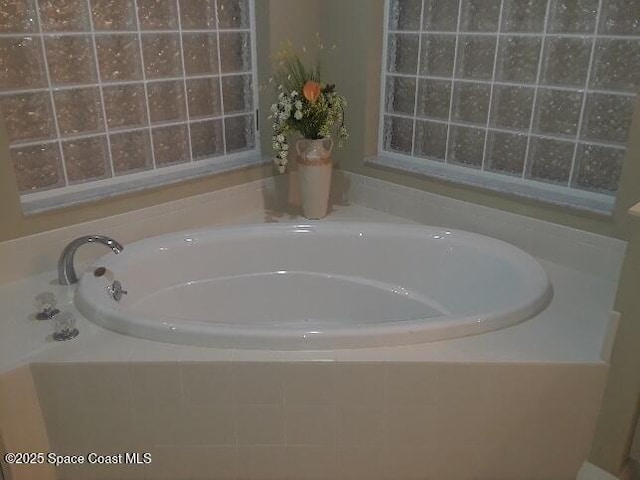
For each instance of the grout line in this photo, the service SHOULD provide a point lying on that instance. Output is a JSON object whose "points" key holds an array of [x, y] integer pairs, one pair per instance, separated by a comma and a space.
{"points": [[184, 82], [517, 34], [585, 94], [453, 75], [115, 32], [224, 133], [618, 146], [100, 87], [513, 84], [493, 83], [144, 78], [415, 93], [54, 110], [543, 49]]}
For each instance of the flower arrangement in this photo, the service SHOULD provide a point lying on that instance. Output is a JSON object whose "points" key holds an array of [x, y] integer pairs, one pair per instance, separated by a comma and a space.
{"points": [[306, 105]]}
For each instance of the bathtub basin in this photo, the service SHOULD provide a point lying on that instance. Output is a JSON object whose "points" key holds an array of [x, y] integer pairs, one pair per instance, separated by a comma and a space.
{"points": [[315, 286]]}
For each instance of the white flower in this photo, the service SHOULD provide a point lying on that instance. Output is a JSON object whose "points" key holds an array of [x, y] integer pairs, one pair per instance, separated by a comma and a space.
{"points": [[298, 115], [294, 94], [274, 108], [285, 146], [276, 146], [298, 105], [280, 138], [284, 154]]}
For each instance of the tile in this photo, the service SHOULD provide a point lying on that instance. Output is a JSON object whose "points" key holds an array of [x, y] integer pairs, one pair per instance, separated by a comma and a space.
{"points": [[405, 15], [434, 98], [475, 57], [310, 425], [166, 101], [206, 139], [607, 117], [262, 463], [616, 65], [471, 102], [131, 152], [598, 168], [38, 167], [20, 16], [86, 159], [524, 16], [557, 111], [21, 63], [309, 383], [518, 59], [506, 152], [237, 93], [620, 17], [235, 52], [239, 133], [261, 425], [359, 426], [440, 15], [550, 160], [566, 61], [402, 53], [161, 54], [400, 95], [360, 462], [572, 16], [67, 16], [158, 14], [118, 57], [480, 15], [431, 140], [466, 146], [28, 116], [410, 426], [512, 107], [71, 60], [310, 462], [410, 384], [209, 425], [171, 145], [233, 14], [398, 134], [206, 383], [360, 384], [197, 14], [125, 106], [436, 55], [79, 110], [203, 96], [113, 14], [200, 53]]}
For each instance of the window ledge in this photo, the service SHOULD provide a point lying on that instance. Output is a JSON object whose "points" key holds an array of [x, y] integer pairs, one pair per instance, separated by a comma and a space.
{"points": [[591, 202], [40, 202]]}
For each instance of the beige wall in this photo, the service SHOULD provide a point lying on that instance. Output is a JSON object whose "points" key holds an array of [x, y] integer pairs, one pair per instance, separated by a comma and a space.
{"points": [[620, 406], [275, 22]]}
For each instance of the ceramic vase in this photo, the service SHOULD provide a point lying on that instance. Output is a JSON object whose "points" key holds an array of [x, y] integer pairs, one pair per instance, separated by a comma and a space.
{"points": [[314, 176]]}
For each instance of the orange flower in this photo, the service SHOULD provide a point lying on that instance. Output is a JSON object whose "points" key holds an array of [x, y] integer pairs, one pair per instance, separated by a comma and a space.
{"points": [[311, 91]]}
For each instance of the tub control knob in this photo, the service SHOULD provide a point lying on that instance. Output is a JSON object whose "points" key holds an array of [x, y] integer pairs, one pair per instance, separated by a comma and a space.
{"points": [[46, 303], [64, 327]]}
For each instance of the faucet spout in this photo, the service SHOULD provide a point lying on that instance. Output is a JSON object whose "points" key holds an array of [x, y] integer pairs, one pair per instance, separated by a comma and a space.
{"points": [[66, 271]]}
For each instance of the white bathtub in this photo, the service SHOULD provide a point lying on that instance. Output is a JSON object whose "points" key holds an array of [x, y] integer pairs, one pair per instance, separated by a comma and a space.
{"points": [[315, 286]]}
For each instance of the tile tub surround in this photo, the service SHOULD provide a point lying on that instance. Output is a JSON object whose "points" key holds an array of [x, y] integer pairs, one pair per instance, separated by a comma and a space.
{"points": [[258, 420], [329, 414]]}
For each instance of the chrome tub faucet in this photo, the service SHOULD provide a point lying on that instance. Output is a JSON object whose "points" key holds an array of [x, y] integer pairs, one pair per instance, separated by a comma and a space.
{"points": [[66, 271]]}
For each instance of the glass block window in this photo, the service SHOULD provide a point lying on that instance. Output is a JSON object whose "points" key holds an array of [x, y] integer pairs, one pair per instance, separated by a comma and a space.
{"points": [[96, 90], [540, 90]]}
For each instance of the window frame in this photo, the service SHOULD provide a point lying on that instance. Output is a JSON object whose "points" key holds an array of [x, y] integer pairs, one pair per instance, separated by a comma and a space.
{"points": [[513, 186], [91, 190]]}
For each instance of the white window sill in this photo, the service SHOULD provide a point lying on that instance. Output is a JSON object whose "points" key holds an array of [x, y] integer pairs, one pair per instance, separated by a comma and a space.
{"points": [[591, 202], [39, 202]]}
